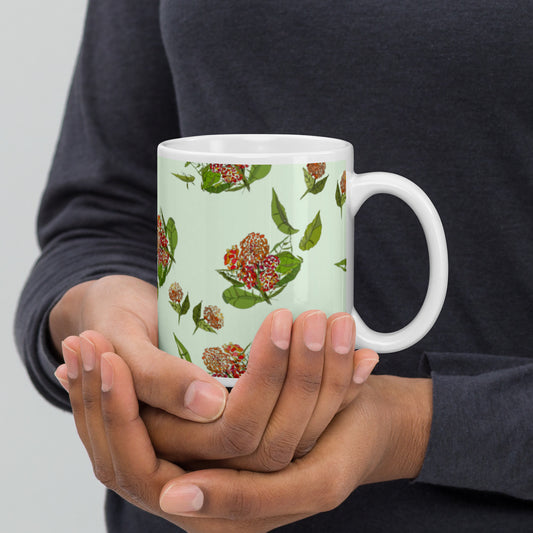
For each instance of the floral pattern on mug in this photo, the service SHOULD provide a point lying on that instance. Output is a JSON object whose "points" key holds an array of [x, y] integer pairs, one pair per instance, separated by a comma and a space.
{"points": [[314, 182], [182, 351], [213, 316], [211, 321], [218, 177], [341, 264], [167, 240], [175, 295], [340, 192], [252, 271], [228, 361]]}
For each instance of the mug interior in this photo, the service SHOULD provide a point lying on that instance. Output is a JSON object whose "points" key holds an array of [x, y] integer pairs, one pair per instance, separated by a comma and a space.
{"points": [[236, 148]]}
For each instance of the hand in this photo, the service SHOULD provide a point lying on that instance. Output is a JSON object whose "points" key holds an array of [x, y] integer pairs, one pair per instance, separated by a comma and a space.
{"points": [[279, 407], [380, 436], [124, 310], [296, 381]]}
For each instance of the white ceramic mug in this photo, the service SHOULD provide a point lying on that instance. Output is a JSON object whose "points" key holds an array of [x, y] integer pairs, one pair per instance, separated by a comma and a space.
{"points": [[248, 223]]}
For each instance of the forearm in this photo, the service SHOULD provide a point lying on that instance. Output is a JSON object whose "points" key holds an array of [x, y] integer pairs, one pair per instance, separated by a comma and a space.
{"points": [[404, 407]]}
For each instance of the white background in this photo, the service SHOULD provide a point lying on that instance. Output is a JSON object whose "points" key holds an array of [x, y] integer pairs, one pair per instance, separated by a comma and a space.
{"points": [[47, 480]]}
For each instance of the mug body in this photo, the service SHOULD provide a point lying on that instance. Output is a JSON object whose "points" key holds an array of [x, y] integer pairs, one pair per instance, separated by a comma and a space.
{"points": [[247, 224]]}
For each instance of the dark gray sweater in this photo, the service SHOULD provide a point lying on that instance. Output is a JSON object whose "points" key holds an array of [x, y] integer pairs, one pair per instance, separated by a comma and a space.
{"points": [[441, 92]]}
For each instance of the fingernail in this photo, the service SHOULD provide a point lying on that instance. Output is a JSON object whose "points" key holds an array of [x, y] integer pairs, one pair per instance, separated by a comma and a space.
{"points": [[71, 359], [106, 374], [88, 353], [280, 328], [61, 376], [178, 499], [363, 370], [315, 331], [342, 334], [205, 399]]}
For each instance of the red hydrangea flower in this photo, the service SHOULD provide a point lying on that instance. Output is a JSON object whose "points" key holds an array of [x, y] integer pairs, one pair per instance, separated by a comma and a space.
{"points": [[254, 248], [248, 276], [229, 173], [213, 316], [163, 255], [268, 280], [316, 170], [270, 262], [228, 361], [175, 292], [231, 258]]}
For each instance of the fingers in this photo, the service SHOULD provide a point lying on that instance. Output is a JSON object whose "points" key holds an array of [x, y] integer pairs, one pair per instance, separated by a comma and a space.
{"points": [[91, 394], [163, 380], [364, 362], [336, 378], [280, 406], [72, 357], [106, 413], [298, 491], [298, 397], [170, 383], [249, 407], [318, 482], [138, 473]]}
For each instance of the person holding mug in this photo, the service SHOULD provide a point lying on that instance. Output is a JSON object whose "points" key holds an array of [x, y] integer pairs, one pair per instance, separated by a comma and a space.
{"points": [[437, 438]]}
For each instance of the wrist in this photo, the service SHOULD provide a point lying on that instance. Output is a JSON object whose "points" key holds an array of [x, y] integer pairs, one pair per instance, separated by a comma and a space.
{"points": [[65, 318], [406, 407]]}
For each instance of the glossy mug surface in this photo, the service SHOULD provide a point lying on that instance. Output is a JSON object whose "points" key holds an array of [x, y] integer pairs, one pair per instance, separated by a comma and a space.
{"points": [[250, 223]]}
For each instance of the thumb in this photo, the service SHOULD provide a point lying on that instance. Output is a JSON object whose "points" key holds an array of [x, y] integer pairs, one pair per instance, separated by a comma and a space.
{"points": [[165, 381]]}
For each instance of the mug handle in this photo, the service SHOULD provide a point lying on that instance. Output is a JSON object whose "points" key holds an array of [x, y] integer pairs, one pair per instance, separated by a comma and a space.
{"points": [[360, 187]]}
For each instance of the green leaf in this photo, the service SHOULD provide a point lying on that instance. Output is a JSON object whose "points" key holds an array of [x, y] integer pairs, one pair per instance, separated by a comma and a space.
{"points": [[202, 324], [340, 198], [172, 234], [185, 306], [341, 264], [184, 177], [227, 276], [309, 179], [258, 172], [319, 186], [287, 262], [245, 181], [218, 187], [312, 234], [240, 298], [309, 182], [184, 354], [161, 275], [279, 215], [209, 177], [196, 312], [290, 276], [176, 306], [338, 195], [280, 290]]}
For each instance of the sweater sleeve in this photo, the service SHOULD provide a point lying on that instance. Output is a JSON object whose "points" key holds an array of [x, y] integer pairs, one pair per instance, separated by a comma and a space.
{"points": [[97, 214], [482, 430]]}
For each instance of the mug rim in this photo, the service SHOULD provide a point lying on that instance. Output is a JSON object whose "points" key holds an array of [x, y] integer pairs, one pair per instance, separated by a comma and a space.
{"points": [[255, 148]]}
